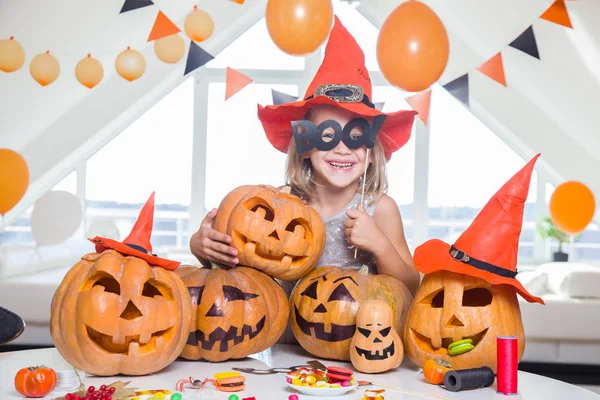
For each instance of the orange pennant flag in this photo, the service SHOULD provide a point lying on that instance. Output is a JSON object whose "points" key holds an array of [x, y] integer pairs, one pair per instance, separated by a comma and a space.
{"points": [[234, 82], [420, 102], [558, 14], [494, 68], [163, 27], [238, 1]]}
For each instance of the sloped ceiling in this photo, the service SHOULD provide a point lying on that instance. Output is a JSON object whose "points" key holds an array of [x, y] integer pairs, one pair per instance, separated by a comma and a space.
{"points": [[550, 105]]}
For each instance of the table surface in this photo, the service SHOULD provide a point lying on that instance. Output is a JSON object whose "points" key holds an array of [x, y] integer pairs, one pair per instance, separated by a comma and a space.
{"points": [[407, 379]]}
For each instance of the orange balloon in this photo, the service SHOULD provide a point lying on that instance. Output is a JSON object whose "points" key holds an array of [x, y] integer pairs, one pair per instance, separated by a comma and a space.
{"points": [[412, 47], [12, 55], [89, 71], [572, 207], [44, 68], [170, 49], [14, 179], [299, 27], [199, 25], [130, 64]]}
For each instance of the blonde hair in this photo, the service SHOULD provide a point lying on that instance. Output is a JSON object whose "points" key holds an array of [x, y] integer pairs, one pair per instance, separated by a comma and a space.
{"points": [[299, 175]]}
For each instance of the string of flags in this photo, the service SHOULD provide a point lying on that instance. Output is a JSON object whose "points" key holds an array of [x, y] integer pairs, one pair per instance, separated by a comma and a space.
{"points": [[170, 48]]}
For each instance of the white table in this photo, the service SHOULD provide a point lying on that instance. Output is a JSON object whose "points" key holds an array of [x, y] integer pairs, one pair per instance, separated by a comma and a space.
{"points": [[267, 387]]}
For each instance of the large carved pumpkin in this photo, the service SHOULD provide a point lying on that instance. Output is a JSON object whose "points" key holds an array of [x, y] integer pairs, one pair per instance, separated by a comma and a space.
{"points": [[323, 307], [273, 231], [449, 307], [236, 313], [376, 345], [117, 315]]}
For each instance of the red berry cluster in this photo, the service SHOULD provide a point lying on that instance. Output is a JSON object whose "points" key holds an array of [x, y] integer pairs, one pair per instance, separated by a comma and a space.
{"points": [[104, 393]]}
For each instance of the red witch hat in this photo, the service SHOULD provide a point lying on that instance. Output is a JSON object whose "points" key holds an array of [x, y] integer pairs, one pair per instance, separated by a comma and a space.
{"points": [[137, 244], [488, 248], [343, 71]]}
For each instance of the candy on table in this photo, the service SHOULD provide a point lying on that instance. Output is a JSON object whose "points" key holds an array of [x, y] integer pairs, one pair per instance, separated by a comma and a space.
{"points": [[293, 397], [373, 394], [234, 397], [176, 396]]}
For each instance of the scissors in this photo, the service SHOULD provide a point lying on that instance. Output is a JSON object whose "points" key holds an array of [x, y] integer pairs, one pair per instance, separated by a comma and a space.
{"points": [[309, 364]]}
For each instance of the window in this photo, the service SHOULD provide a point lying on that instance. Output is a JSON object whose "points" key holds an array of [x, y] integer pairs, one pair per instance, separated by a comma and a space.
{"points": [[468, 165], [255, 49], [401, 167], [152, 154], [239, 152], [68, 184]]}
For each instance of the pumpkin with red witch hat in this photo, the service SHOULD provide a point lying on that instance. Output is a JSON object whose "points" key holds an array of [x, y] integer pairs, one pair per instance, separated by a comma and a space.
{"points": [[121, 310]]}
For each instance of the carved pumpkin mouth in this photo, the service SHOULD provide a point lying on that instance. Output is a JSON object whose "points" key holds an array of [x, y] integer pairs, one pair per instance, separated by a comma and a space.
{"points": [[223, 336], [265, 251], [386, 353], [132, 343], [338, 332], [424, 343]]}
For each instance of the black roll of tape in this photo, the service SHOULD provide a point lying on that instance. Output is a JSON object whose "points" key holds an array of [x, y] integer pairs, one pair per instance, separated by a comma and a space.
{"points": [[463, 379]]}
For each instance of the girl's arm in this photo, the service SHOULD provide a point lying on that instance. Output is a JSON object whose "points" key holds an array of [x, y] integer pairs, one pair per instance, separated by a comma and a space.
{"points": [[392, 252]]}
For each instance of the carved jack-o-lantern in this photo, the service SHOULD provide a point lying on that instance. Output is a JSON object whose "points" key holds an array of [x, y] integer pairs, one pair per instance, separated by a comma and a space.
{"points": [[376, 346], [117, 315], [449, 307], [323, 307], [236, 313], [273, 231]]}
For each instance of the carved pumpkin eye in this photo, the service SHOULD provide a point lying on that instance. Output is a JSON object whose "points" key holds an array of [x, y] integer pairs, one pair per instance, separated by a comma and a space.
{"points": [[341, 294], [101, 278], [311, 291], [384, 332], [434, 300], [196, 294], [477, 297], [269, 215], [291, 227], [232, 293], [153, 288], [364, 332]]}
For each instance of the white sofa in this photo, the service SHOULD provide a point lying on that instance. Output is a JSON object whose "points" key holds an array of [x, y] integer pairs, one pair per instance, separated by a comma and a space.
{"points": [[565, 330]]}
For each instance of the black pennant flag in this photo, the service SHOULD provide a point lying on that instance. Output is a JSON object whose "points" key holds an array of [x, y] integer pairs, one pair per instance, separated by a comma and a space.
{"points": [[131, 5], [197, 57], [459, 88], [526, 43], [282, 98]]}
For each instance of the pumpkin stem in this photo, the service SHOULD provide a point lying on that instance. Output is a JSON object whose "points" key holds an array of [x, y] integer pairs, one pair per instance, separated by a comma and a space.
{"points": [[364, 270]]}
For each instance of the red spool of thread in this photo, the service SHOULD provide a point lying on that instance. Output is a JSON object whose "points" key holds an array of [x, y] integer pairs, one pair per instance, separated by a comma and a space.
{"points": [[508, 362]]}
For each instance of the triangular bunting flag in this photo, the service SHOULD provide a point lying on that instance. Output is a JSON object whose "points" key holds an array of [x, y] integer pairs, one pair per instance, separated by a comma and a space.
{"points": [[558, 14], [282, 98], [162, 27], [420, 103], [527, 43], [379, 106], [459, 88], [234, 82], [131, 5], [238, 1], [197, 57], [494, 69]]}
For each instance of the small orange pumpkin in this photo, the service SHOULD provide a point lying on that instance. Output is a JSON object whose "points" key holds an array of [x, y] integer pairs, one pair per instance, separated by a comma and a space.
{"points": [[376, 345], [236, 313], [273, 231], [323, 307], [450, 307], [118, 315]]}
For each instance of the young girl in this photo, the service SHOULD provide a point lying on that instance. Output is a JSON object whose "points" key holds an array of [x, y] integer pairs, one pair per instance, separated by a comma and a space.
{"points": [[326, 137]]}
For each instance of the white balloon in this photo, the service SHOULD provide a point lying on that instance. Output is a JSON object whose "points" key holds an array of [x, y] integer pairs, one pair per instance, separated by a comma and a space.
{"points": [[55, 217], [104, 228]]}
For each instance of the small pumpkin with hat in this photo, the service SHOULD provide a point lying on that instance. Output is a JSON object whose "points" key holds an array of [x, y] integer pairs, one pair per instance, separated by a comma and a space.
{"points": [[121, 310], [342, 80], [468, 296]]}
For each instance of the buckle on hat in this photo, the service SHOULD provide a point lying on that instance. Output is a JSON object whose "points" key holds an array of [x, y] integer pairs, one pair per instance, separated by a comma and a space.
{"points": [[463, 256], [341, 92]]}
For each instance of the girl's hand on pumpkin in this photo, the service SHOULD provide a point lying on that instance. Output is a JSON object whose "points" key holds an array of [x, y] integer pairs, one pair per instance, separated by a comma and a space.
{"points": [[211, 245], [362, 230]]}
